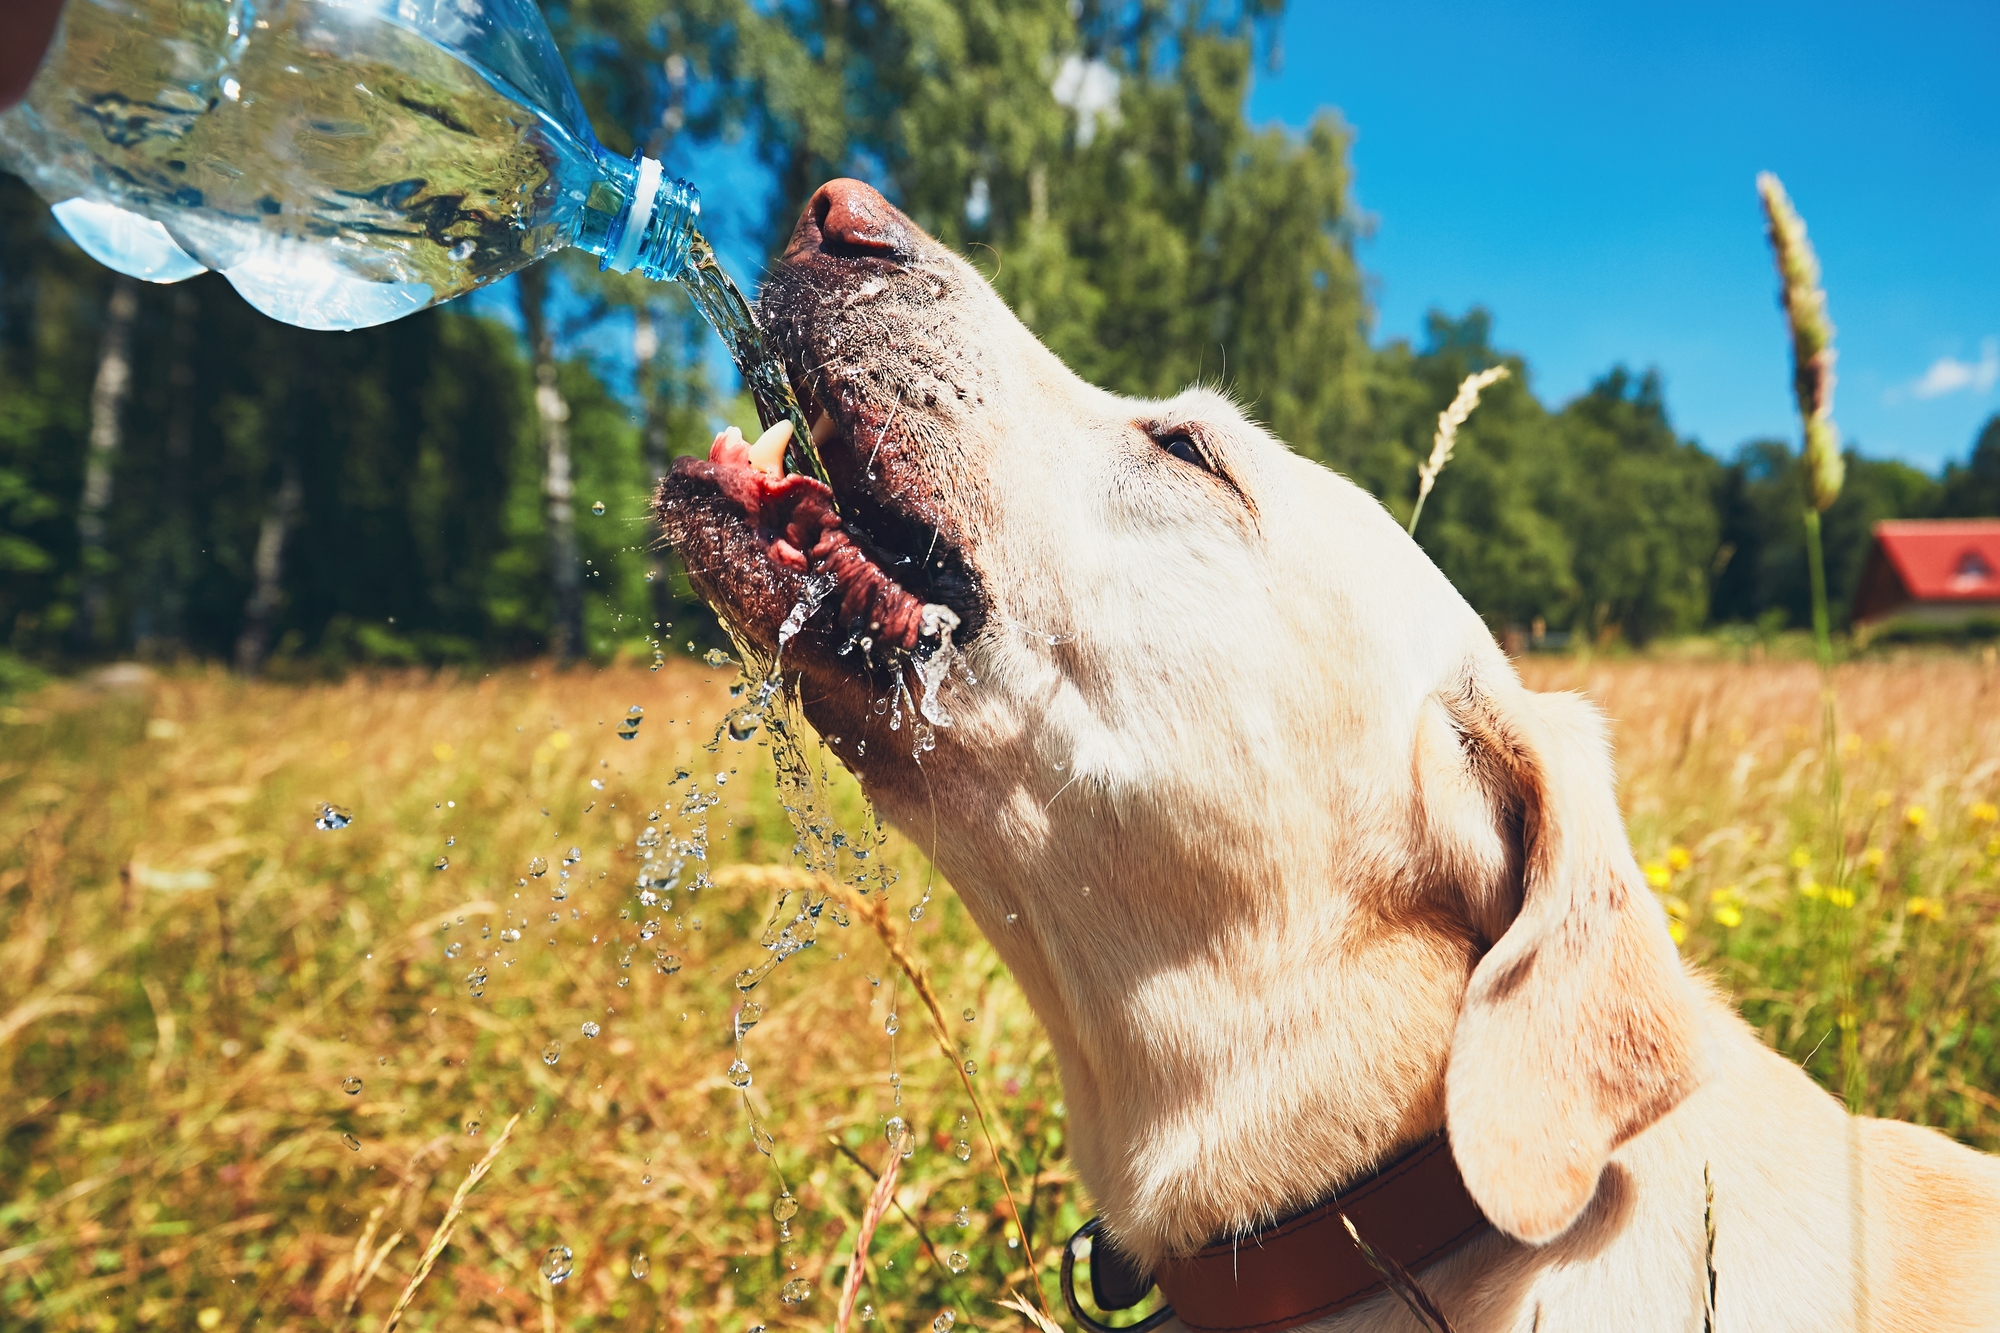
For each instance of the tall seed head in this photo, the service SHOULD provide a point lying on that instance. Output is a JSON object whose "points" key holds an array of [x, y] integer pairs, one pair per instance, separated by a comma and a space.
{"points": [[1812, 340]]}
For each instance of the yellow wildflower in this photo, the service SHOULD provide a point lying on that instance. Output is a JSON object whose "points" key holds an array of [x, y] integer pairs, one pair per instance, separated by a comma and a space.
{"points": [[1728, 904], [1678, 859], [1810, 887], [1840, 897], [1882, 799], [1678, 930], [1801, 858], [1985, 812], [1871, 860], [1928, 908], [1658, 875], [443, 751], [1676, 907], [1915, 817]]}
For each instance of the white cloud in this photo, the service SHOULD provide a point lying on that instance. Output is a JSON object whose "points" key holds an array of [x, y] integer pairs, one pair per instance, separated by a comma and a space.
{"points": [[1948, 374], [1089, 88]]}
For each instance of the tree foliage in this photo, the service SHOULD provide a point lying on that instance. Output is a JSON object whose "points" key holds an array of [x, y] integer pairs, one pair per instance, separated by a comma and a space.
{"points": [[1094, 159]]}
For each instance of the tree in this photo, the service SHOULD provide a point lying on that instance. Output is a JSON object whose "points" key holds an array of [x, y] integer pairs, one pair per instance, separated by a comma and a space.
{"points": [[1972, 489]]}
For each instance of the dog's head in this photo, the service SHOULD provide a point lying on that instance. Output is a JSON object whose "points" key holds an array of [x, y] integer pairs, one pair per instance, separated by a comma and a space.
{"points": [[1290, 865]]}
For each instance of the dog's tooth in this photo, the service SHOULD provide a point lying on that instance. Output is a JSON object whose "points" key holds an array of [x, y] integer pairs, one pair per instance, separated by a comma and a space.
{"points": [[768, 454], [823, 428]]}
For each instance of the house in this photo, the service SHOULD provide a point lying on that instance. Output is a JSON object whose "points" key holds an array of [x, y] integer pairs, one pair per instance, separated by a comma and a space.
{"points": [[1931, 571]]}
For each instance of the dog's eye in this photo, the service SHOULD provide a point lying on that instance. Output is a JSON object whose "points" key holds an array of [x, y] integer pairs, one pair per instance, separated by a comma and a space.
{"points": [[1184, 447]]}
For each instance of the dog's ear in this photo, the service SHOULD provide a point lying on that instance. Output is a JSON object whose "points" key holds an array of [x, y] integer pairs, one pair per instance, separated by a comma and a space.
{"points": [[1579, 1025]]}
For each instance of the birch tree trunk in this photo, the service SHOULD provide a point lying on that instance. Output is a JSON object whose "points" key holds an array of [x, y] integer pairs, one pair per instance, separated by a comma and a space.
{"points": [[266, 597], [552, 418], [107, 408]]}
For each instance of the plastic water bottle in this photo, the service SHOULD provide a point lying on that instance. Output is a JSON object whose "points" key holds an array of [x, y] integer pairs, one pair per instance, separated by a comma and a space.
{"points": [[342, 162]]}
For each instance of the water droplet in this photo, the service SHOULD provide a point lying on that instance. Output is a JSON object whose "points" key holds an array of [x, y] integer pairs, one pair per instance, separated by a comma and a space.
{"points": [[558, 1263], [899, 1136], [351, 1086], [957, 1262], [475, 981], [575, 854], [917, 912], [962, 1217], [591, 1029], [747, 1017], [353, 1143], [538, 866], [472, 1129], [892, 1025], [943, 1323], [715, 657], [972, 1066], [629, 728], [453, 949], [963, 1152], [666, 964], [795, 1291], [786, 1208], [443, 863], [743, 723], [641, 1265], [970, 1016], [558, 892], [739, 1074], [867, 1314], [331, 817], [598, 508], [551, 1052]]}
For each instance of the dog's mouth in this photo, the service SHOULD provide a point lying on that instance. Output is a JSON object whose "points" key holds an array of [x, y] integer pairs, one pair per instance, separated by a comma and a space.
{"points": [[785, 556]]}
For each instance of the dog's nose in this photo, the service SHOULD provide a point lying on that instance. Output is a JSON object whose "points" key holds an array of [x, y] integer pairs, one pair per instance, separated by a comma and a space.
{"points": [[851, 217]]}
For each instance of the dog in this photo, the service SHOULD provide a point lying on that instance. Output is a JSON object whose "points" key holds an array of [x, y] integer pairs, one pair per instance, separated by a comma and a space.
{"points": [[1290, 865]]}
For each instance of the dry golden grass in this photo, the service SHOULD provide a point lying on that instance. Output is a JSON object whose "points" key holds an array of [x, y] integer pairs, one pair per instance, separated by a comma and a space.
{"points": [[191, 970]]}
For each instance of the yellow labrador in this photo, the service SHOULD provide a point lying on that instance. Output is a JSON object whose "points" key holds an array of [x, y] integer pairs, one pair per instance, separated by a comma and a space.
{"points": [[1293, 869]]}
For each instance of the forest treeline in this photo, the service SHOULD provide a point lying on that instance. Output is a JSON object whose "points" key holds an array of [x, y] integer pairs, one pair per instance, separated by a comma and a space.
{"points": [[181, 476]]}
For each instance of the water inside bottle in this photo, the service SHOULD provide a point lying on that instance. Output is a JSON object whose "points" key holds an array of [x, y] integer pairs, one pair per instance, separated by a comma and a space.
{"points": [[340, 167]]}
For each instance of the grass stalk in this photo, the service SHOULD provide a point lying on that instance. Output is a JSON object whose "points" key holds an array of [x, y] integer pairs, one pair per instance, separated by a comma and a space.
{"points": [[442, 1236], [1399, 1280], [1446, 438], [875, 911], [879, 1200], [1804, 301]]}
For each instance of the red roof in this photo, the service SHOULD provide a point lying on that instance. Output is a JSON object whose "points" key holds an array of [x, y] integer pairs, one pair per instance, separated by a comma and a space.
{"points": [[1945, 560], [1930, 560]]}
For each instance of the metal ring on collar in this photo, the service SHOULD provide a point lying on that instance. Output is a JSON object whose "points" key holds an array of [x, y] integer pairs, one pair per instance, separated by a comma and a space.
{"points": [[1069, 1258]]}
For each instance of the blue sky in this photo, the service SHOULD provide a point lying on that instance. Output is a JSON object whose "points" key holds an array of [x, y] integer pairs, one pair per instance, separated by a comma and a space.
{"points": [[1586, 171]]}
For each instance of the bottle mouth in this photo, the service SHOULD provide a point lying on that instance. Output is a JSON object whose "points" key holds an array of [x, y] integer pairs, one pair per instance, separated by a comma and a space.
{"points": [[657, 227]]}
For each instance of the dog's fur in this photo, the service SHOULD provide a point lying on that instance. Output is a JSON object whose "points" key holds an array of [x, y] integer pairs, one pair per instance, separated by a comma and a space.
{"points": [[1291, 866]]}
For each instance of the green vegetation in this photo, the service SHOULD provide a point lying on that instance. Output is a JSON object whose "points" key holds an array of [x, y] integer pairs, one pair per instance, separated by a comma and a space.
{"points": [[1097, 164], [192, 972]]}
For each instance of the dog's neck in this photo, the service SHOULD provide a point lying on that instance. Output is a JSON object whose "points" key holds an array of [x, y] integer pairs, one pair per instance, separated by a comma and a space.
{"points": [[1237, 1040]]}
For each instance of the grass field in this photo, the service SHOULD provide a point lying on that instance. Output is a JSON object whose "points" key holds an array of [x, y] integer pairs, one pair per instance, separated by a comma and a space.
{"points": [[194, 976]]}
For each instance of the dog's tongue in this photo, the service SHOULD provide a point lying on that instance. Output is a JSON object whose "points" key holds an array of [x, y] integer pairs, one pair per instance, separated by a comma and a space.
{"points": [[796, 513]]}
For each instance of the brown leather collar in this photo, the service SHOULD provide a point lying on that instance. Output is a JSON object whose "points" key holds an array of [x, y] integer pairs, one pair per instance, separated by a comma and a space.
{"points": [[1413, 1212]]}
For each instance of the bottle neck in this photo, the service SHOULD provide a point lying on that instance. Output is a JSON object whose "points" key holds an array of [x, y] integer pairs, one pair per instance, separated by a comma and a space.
{"points": [[656, 226]]}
